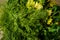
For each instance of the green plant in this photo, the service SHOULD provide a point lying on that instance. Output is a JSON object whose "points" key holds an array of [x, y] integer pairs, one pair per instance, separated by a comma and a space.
{"points": [[23, 20]]}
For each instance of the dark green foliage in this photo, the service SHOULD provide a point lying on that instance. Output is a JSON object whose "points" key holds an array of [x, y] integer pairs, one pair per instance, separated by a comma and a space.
{"points": [[21, 23]]}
